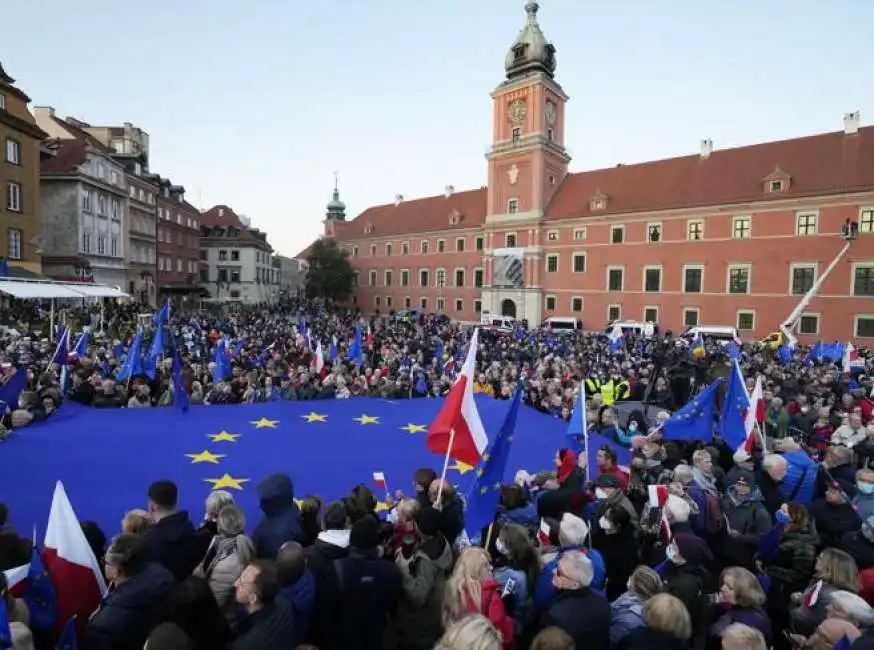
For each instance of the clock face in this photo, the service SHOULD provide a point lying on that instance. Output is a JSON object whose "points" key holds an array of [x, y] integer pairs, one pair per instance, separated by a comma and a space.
{"points": [[550, 113], [517, 111]]}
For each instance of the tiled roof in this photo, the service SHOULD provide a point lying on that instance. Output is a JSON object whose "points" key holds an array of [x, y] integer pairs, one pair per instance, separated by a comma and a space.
{"points": [[220, 216], [829, 163], [71, 151]]}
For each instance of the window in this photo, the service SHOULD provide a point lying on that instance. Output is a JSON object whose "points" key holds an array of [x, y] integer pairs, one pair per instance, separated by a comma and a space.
{"points": [[550, 134], [550, 179], [866, 220], [102, 206], [459, 305], [690, 317], [512, 206], [441, 304], [388, 250], [551, 263], [405, 248], [510, 240], [423, 278], [223, 256], [776, 186], [576, 305], [863, 280], [101, 244], [654, 233], [115, 208], [478, 278], [377, 300], [805, 223], [405, 278], [440, 277], [355, 251], [235, 275], [479, 243], [579, 262], [615, 278], [423, 247], [388, 278], [652, 279], [864, 327], [614, 312], [373, 250], [371, 279], [695, 230], [113, 248], [2, 102], [746, 320], [459, 245], [86, 242], [552, 235], [408, 302], [808, 324], [441, 246], [87, 201], [13, 151], [739, 279], [693, 279], [477, 306], [617, 234], [579, 234], [803, 277], [740, 227], [13, 197], [235, 256], [13, 244], [550, 303], [459, 277], [650, 314], [516, 133]]}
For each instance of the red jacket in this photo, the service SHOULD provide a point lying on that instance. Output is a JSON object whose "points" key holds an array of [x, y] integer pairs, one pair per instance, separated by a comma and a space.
{"points": [[492, 607]]}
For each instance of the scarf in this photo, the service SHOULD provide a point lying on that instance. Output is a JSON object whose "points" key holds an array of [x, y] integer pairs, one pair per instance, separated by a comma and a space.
{"points": [[706, 483]]}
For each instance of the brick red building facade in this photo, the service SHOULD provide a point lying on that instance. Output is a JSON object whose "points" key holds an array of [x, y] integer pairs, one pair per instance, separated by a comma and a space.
{"points": [[721, 237], [178, 244]]}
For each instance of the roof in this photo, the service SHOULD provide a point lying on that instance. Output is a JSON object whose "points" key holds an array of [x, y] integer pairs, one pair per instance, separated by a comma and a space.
{"points": [[71, 152], [222, 216]]}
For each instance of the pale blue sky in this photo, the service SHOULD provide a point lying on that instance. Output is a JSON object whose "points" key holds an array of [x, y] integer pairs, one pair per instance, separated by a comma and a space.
{"points": [[255, 104]]}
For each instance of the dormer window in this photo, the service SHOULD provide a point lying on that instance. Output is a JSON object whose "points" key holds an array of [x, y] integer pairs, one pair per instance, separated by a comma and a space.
{"points": [[519, 52], [598, 202], [368, 229], [777, 182], [776, 186]]}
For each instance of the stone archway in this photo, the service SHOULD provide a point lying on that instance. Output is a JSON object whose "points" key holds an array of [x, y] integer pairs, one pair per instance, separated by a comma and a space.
{"points": [[508, 308]]}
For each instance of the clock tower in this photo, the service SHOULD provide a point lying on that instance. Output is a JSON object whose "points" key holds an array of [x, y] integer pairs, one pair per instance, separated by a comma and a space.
{"points": [[527, 163]]}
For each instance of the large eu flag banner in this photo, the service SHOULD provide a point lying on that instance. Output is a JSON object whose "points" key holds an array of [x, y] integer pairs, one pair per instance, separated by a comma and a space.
{"points": [[107, 458]]}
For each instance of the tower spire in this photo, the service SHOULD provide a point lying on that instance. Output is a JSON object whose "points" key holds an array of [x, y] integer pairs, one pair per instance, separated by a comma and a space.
{"points": [[336, 209], [530, 52]]}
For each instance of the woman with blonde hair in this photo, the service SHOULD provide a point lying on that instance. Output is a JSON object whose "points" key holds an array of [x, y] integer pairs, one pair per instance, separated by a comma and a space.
{"points": [[741, 600], [471, 589], [135, 522], [834, 570], [472, 632], [668, 626], [627, 610]]}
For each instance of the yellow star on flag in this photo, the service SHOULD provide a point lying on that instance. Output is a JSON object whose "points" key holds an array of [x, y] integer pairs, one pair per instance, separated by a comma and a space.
{"points": [[298, 502], [415, 428], [315, 417], [461, 468], [226, 481], [367, 419], [264, 423], [224, 436], [205, 457], [381, 506]]}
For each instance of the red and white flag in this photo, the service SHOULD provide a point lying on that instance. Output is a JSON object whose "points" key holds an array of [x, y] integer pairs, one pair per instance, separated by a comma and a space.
{"points": [[318, 361], [543, 534], [458, 429], [812, 594], [16, 576], [379, 480], [851, 359], [658, 498], [755, 414], [70, 562]]}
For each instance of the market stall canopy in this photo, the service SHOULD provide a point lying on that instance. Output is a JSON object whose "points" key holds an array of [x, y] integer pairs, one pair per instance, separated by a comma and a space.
{"points": [[40, 290], [97, 291]]}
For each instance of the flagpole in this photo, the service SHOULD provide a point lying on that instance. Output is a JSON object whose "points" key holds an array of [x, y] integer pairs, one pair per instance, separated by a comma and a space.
{"points": [[445, 465]]}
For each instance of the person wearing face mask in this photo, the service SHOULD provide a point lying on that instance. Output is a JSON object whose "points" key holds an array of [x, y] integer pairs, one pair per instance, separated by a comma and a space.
{"points": [[688, 576], [514, 562], [863, 502], [609, 494], [614, 538]]}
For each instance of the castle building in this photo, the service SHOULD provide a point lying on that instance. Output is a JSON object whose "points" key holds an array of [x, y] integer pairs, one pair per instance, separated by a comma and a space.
{"points": [[721, 237]]}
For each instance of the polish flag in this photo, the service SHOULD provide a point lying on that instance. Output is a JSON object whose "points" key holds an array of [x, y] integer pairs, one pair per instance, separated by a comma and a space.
{"points": [[379, 480], [318, 361], [658, 498], [755, 414], [812, 595], [70, 562], [16, 576], [458, 430], [851, 359], [543, 534]]}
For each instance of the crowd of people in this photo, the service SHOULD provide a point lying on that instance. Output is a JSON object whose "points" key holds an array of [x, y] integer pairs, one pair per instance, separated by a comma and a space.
{"points": [[770, 547]]}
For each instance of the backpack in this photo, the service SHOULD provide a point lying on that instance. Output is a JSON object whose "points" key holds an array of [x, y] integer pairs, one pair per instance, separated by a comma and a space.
{"points": [[714, 517]]}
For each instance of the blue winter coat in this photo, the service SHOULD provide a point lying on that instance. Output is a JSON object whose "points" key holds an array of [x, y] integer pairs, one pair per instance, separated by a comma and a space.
{"points": [[281, 521]]}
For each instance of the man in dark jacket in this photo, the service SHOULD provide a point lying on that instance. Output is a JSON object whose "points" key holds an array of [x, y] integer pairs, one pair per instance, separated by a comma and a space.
{"points": [[281, 521], [297, 586], [359, 594], [171, 539], [271, 619]]}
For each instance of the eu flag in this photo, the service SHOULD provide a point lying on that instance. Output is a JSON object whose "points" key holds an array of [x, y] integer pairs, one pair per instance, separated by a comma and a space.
{"points": [[732, 426], [356, 352], [180, 397], [482, 500], [39, 594], [579, 439], [10, 391], [5, 632], [133, 362], [695, 420], [69, 640]]}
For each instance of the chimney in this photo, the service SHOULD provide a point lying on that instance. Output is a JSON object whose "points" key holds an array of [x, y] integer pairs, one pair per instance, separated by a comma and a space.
{"points": [[48, 111], [851, 123], [449, 191], [221, 212], [706, 148], [399, 198]]}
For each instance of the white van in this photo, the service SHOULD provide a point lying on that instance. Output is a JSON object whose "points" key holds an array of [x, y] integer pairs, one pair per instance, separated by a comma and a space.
{"points": [[563, 323], [638, 328], [722, 334]]}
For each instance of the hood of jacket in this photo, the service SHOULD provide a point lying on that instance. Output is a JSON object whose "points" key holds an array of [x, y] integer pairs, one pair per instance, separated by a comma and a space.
{"points": [[276, 494]]}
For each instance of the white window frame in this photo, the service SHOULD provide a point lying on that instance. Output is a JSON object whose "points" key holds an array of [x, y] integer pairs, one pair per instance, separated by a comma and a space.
{"points": [[699, 267], [377, 301], [552, 235], [735, 219], [574, 257], [388, 302], [459, 304], [439, 242], [385, 276], [408, 302], [582, 234], [373, 250], [582, 304], [479, 244], [483, 272], [618, 308], [463, 241], [739, 265], [2, 102], [737, 320], [621, 227], [13, 151], [13, 243], [355, 251], [388, 248], [863, 211], [437, 272], [643, 313], [513, 205], [614, 267], [441, 304], [689, 223], [696, 311], [405, 248], [801, 265], [546, 263], [477, 306], [661, 228], [806, 213], [855, 266], [14, 200], [652, 267], [455, 275], [423, 245], [515, 239], [856, 320], [811, 314], [401, 278], [372, 278], [547, 298]]}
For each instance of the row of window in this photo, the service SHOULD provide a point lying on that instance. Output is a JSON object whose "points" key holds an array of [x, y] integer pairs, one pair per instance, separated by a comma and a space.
{"points": [[166, 214], [181, 239], [106, 206], [88, 249], [387, 302], [182, 266], [460, 275], [262, 275], [425, 247]]}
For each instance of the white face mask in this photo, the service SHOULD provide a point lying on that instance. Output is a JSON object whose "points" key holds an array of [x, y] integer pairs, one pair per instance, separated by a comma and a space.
{"points": [[605, 524], [500, 547], [600, 494]]}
